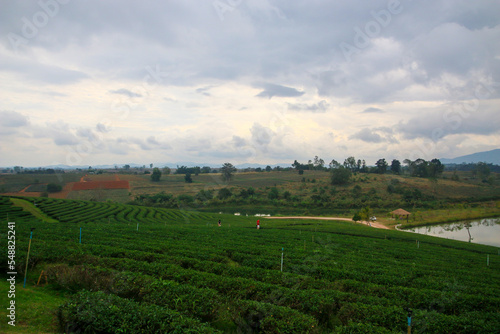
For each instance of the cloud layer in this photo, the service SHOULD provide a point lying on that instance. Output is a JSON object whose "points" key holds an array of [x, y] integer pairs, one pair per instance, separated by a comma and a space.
{"points": [[247, 81]]}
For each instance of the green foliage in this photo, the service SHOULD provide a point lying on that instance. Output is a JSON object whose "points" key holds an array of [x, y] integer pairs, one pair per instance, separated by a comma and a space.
{"points": [[224, 193], [156, 175], [97, 312], [340, 176], [381, 166], [181, 273], [53, 188], [227, 171], [187, 178], [273, 193], [188, 170], [481, 170], [356, 190], [396, 166]]}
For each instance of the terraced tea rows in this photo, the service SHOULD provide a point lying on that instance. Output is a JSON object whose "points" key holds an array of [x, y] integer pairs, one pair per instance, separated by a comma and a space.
{"points": [[183, 272]]}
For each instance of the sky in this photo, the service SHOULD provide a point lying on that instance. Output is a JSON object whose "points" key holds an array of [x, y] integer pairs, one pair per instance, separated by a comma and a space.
{"points": [[246, 81]]}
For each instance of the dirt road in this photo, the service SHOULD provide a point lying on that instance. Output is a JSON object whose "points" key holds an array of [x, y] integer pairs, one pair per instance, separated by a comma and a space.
{"points": [[372, 224]]}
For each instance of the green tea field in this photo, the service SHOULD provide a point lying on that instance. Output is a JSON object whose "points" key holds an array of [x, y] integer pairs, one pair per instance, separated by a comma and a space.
{"points": [[116, 268]]}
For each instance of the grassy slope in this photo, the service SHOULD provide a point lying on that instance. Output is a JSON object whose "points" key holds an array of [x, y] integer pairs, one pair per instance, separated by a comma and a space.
{"points": [[290, 180], [29, 207], [444, 190], [35, 309]]}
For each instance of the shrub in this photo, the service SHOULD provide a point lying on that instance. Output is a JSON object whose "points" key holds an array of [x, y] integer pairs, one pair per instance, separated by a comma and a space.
{"points": [[97, 312], [224, 193], [53, 188]]}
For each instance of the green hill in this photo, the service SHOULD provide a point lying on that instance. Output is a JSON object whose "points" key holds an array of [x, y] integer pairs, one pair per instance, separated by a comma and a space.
{"points": [[163, 270]]}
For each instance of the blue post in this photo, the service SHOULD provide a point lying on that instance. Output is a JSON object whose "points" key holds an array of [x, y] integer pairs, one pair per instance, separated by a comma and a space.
{"points": [[27, 257], [80, 235], [409, 320]]}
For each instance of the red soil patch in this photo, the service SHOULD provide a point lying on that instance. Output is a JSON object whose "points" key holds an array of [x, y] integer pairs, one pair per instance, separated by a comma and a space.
{"points": [[91, 185], [64, 192]]}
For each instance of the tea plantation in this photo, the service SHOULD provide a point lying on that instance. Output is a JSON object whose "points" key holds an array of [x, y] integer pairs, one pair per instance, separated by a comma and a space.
{"points": [[153, 270]]}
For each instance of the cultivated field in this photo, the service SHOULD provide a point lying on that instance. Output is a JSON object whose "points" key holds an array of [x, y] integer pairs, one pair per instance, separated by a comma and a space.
{"points": [[142, 269]]}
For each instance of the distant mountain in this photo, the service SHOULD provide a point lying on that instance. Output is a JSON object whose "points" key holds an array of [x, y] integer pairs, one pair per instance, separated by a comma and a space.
{"points": [[492, 156]]}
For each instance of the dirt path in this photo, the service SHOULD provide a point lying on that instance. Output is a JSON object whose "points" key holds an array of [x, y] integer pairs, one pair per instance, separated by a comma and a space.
{"points": [[372, 224]]}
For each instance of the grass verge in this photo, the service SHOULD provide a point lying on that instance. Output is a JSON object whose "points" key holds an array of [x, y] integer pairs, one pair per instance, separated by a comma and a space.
{"points": [[36, 309], [29, 207]]}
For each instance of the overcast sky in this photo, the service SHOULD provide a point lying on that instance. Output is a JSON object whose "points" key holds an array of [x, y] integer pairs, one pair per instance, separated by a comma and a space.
{"points": [[257, 81]]}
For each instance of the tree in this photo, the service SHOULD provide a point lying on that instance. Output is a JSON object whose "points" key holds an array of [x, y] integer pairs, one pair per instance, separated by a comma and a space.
{"points": [[420, 168], [155, 177], [350, 163], [435, 168], [481, 170], [268, 168], [396, 167], [381, 166], [334, 164], [409, 165], [166, 170], [227, 171], [341, 176], [318, 163], [126, 167], [187, 178]]}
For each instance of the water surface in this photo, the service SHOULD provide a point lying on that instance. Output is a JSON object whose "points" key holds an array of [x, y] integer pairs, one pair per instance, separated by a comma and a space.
{"points": [[482, 231]]}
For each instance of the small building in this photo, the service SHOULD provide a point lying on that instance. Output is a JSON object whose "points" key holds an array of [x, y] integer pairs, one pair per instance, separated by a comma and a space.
{"points": [[400, 214]]}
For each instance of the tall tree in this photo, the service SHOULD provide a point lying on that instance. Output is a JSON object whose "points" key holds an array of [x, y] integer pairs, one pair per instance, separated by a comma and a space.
{"points": [[334, 164], [435, 168], [350, 163], [396, 167], [381, 166], [409, 165], [420, 168], [481, 170], [318, 163], [227, 171], [156, 175]]}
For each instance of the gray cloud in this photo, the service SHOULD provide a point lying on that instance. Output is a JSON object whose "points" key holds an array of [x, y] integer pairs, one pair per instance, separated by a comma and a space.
{"points": [[204, 90], [271, 90], [461, 118], [320, 107], [261, 135], [12, 119], [373, 110], [102, 128], [33, 70], [126, 92]]}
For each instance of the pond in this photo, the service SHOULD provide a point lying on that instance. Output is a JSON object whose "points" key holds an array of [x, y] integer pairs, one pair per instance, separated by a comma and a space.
{"points": [[482, 231]]}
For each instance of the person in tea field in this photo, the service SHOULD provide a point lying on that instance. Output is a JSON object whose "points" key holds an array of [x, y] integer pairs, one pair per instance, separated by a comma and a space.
{"points": [[258, 223], [219, 223]]}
